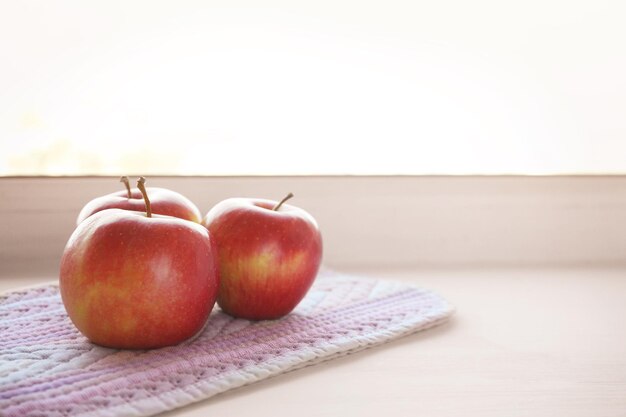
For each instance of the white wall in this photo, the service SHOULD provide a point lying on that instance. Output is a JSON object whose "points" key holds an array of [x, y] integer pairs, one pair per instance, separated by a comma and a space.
{"points": [[366, 222]]}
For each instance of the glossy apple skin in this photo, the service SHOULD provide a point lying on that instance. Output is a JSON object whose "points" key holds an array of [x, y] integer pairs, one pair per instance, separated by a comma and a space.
{"points": [[163, 201], [132, 282], [268, 259]]}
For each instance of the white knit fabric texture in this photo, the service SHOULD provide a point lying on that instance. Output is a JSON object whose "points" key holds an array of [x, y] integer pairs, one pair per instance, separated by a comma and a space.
{"points": [[47, 368]]}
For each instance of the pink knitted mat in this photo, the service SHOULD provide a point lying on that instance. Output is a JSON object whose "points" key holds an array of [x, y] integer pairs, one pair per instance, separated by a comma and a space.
{"points": [[47, 368]]}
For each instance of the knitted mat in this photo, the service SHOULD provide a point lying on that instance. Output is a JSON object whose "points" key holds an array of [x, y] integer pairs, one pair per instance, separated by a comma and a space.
{"points": [[47, 368]]}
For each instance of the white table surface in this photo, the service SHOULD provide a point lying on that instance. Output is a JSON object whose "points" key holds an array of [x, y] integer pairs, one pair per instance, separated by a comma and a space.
{"points": [[524, 342]]}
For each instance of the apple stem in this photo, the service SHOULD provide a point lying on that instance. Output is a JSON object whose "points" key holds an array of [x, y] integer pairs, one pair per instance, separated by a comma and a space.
{"points": [[124, 179], [140, 184], [287, 197]]}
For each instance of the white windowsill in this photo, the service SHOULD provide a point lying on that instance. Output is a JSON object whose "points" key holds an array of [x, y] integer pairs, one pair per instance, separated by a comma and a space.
{"points": [[523, 341]]}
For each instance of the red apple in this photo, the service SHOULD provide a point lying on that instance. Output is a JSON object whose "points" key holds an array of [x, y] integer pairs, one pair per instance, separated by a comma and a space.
{"points": [[269, 256], [164, 201], [139, 281]]}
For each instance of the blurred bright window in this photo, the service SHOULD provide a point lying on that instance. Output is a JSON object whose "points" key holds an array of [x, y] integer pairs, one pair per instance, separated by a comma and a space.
{"points": [[318, 87]]}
